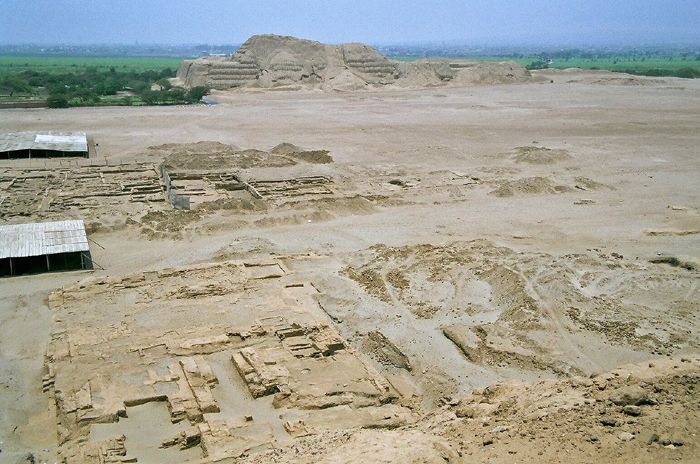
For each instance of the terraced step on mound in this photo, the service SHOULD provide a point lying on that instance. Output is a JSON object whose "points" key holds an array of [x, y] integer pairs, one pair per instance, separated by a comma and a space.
{"points": [[271, 61]]}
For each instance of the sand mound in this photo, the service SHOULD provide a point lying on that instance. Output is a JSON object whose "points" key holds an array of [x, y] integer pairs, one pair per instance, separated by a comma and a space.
{"points": [[313, 156], [271, 61], [539, 185], [461, 72], [285, 148], [630, 80], [540, 155], [526, 186], [215, 155], [598, 77], [245, 159]]}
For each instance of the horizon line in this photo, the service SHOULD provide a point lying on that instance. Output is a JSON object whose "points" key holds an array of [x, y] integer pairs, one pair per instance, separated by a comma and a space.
{"points": [[452, 42]]}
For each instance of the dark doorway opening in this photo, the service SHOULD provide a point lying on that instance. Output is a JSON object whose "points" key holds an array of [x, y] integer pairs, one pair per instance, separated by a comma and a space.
{"points": [[30, 265], [73, 261], [21, 154], [65, 262], [5, 268]]}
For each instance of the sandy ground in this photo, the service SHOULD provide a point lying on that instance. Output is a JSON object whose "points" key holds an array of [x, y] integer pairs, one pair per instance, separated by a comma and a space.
{"points": [[566, 227]]}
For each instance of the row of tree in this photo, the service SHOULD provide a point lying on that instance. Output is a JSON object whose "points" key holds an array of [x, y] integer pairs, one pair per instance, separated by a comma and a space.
{"points": [[91, 86], [173, 96], [12, 85], [686, 72]]}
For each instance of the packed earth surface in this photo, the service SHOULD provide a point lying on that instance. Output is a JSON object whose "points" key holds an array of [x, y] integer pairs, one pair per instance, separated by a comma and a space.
{"points": [[484, 271]]}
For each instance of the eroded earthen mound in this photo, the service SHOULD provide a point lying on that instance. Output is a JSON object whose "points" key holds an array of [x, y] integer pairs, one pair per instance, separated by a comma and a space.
{"points": [[216, 155], [540, 155], [271, 61], [636, 413]]}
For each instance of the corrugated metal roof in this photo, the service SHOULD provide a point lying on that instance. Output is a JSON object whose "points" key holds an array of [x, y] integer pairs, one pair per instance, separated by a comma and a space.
{"points": [[42, 238], [57, 141]]}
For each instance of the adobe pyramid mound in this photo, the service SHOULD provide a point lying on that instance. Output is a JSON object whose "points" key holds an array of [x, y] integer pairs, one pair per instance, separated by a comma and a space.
{"points": [[271, 61]]}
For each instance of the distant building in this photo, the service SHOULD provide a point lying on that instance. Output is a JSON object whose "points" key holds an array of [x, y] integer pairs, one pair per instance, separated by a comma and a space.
{"points": [[43, 145], [43, 247]]}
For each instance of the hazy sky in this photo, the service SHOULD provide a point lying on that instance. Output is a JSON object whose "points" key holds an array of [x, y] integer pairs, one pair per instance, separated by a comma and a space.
{"points": [[377, 22]]}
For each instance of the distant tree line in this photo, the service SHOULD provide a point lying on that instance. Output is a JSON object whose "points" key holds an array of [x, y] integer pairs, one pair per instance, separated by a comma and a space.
{"points": [[12, 85], [92, 86], [633, 54], [622, 58]]}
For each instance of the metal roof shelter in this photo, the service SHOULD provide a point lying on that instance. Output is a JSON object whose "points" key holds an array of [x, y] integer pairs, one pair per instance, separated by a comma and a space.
{"points": [[44, 247], [43, 144]]}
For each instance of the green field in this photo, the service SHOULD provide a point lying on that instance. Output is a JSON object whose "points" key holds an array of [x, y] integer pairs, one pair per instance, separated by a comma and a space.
{"points": [[622, 64], [66, 64], [610, 64]]}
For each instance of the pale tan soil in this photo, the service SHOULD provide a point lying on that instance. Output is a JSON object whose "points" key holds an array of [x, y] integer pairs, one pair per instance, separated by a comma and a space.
{"points": [[636, 413], [438, 240]]}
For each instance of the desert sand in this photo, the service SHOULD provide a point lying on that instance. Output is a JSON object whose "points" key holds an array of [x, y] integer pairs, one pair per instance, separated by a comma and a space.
{"points": [[486, 273]]}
